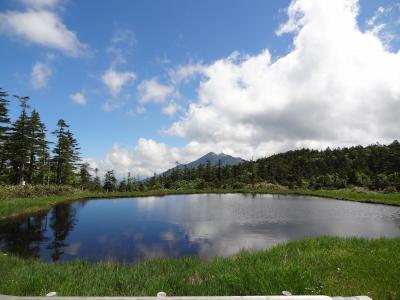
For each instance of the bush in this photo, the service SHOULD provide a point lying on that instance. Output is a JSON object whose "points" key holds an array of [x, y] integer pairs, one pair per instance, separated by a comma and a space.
{"points": [[360, 190], [390, 189], [25, 191], [268, 186]]}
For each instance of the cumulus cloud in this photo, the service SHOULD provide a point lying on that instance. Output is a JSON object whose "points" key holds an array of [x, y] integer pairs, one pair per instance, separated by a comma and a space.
{"points": [[40, 75], [153, 91], [115, 80], [147, 157], [42, 27], [337, 86], [79, 98]]}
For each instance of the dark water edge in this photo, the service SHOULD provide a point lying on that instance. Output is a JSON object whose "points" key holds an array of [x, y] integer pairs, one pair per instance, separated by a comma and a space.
{"points": [[204, 225]]}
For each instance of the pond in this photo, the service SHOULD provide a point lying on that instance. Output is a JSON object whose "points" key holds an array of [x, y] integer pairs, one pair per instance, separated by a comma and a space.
{"points": [[205, 225]]}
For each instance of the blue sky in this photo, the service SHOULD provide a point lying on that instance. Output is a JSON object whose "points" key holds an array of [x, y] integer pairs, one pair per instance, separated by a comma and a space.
{"points": [[119, 60]]}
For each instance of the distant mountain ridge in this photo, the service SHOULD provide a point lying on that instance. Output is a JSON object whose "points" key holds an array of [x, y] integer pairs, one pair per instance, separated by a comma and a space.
{"points": [[213, 158]]}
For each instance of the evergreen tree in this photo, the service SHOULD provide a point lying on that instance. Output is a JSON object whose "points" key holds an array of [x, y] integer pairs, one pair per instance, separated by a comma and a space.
{"points": [[110, 181], [122, 186], [66, 154], [43, 156], [85, 178], [39, 150], [19, 143], [96, 180], [4, 129]]}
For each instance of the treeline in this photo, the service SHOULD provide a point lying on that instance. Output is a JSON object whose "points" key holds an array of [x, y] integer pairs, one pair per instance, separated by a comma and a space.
{"points": [[374, 167], [25, 155]]}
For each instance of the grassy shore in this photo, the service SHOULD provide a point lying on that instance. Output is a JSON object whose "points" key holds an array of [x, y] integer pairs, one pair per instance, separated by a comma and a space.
{"points": [[330, 266], [15, 206], [327, 266]]}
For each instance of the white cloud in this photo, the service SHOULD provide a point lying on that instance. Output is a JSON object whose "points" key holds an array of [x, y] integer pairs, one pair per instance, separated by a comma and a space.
{"points": [[115, 80], [40, 75], [149, 156], [171, 109], [338, 86], [79, 98], [143, 160], [153, 91], [42, 27]]}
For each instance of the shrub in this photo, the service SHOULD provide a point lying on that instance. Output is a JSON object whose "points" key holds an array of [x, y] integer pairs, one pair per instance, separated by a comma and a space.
{"points": [[268, 186], [25, 191]]}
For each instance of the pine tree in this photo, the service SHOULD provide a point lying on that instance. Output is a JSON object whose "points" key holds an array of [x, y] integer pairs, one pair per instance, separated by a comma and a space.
{"points": [[19, 143], [96, 180], [43, 156], [85, 178], [110, 181], [38, 152], [4, 129], [66, 154], [122, 186]]}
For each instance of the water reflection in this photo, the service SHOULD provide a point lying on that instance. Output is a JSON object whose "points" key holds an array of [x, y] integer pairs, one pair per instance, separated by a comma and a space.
{"points": [[205, 225]]}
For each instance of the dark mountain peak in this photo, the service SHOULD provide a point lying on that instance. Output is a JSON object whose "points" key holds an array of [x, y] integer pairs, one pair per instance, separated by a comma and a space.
{"points": [[209, 154], [213, 159]]}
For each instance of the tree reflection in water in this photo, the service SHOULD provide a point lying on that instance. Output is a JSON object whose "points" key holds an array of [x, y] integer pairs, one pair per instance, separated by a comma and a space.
{"points": [[62, 222], [205, 225], [26, 235]]}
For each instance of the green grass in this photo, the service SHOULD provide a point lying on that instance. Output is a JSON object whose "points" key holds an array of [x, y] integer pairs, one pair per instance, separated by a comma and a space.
{"points": [[327, 266], [330, 266], [15, 206]]}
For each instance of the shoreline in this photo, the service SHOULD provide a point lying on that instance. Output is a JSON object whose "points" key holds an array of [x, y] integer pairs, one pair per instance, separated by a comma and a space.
{"points": [[322, 265], [14, 207]]}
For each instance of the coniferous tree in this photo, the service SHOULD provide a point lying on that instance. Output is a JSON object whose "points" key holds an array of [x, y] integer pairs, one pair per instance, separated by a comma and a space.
{"points": [[38, 152], [110, 181], [85, 179], [96, 180], [19, 143], [66, 154], [123, 186], [43, 156], [4, 129]]}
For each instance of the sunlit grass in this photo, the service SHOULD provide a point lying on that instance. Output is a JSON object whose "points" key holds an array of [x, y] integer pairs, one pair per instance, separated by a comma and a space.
{"points": [[328, 266]]}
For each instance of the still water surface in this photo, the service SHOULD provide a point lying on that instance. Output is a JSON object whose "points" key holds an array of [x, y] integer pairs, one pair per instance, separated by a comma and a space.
{"points": [[206, 225]]}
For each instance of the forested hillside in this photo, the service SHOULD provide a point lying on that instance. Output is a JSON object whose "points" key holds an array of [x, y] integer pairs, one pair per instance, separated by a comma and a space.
{"points": [[376, 167]]}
